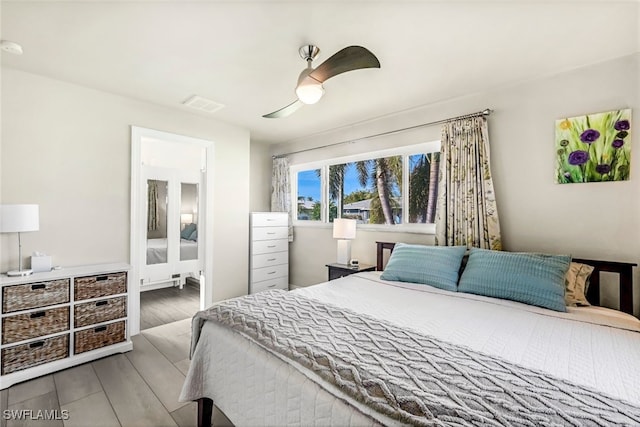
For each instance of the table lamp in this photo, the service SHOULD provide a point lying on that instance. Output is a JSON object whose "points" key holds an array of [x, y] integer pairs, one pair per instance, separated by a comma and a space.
{"points": [[344, 230], [19, 219], [186, 219]]}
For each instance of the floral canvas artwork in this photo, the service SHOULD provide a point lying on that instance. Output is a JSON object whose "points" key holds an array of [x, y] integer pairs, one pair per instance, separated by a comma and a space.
{"points": [[594, 148]]}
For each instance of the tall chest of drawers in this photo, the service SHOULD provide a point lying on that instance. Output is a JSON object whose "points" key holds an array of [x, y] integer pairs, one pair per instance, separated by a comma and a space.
{"points": [[269, 251], [55, 320]]}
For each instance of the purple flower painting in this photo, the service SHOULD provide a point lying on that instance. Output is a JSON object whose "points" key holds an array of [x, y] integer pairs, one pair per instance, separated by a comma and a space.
{"points": [[594, 148]]}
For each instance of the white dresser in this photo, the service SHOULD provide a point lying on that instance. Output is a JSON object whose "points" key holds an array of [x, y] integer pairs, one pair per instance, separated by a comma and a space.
{"points": [[54, 320], [269, 251]]}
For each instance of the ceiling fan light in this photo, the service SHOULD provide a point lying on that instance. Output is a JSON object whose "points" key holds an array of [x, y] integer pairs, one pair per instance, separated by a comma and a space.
{"points": [[309, 92]]}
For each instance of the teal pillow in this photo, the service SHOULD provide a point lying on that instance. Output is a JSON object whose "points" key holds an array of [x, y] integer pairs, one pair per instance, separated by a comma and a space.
{"points": [[194, 236], [436, 266], [535, 279], [187, 231]]}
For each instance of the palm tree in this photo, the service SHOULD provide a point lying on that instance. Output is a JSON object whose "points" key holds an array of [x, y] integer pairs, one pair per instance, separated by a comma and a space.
{"points": [[336, 186], [419, 190], [423, 188], [432, 199], [385, 172]]}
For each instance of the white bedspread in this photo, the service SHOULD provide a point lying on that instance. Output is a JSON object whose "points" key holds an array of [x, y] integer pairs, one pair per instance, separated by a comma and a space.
{"points": [[157, 250], [253, 387]]}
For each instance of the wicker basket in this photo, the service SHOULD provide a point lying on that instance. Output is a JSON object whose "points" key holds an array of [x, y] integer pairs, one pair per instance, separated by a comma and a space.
{"points": [[100, 286], [90, 313], [34, 295], [20, 327], [36, 353], [99, 336]]}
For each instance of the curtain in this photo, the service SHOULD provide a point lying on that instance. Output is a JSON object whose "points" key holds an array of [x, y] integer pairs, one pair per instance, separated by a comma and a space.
{"points": [[466, 212], [152, 204], [281, 190]]}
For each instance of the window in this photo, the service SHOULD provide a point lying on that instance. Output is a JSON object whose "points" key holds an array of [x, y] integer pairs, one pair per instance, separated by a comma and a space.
{"points": [[389, 188], [309, 190]]}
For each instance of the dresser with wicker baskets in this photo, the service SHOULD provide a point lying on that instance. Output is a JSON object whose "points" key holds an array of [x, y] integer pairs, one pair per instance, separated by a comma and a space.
{"points": [[55, 320]]}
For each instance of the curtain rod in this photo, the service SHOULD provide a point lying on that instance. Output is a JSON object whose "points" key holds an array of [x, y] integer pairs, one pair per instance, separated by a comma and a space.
{"points": [[486, 112]]}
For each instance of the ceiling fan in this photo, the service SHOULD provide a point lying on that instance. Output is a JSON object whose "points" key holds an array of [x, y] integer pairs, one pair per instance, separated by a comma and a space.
{"points": [[309, 89]]}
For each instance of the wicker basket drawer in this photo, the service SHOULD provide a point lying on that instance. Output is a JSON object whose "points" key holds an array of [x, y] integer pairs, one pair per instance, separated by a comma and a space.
{"points": [[100, 336], [100, 286], [25, 326], [34, 295], [90, 313], [36, 353]]}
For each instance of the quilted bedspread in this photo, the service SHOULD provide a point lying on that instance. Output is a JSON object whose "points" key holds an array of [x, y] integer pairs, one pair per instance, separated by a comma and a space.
{"points": [[409, 376]]}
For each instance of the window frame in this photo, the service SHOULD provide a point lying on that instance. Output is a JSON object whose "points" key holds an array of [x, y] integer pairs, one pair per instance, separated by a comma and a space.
{"points": [[404, 151]]}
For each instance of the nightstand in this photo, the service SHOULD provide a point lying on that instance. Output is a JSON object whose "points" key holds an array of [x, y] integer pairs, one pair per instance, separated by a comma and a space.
{"points": [[337, 271]]}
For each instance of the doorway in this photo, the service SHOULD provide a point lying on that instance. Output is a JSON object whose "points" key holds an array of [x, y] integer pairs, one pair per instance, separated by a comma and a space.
{"points": [[171, 206]]}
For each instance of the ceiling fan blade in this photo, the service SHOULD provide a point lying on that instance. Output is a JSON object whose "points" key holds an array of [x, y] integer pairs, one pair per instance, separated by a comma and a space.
{"points": [[348, 59], [286, 111]]}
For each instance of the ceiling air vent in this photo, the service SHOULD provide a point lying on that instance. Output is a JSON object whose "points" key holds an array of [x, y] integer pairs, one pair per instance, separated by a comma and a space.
{"points": [[202, 104]]}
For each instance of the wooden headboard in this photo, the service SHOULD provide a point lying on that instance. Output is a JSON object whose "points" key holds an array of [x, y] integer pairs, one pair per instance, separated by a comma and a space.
{"points": [[624, 270]]}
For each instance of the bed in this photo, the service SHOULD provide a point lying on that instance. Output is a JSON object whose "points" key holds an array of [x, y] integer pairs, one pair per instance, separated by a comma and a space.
{"points": [[157, 250], [362, 350]]}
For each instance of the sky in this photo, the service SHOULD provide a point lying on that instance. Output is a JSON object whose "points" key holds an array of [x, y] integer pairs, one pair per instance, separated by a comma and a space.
{"points": [[309, 183]]}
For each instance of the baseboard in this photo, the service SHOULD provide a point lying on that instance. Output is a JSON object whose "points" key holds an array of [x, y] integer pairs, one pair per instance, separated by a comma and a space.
{"points": [[192, 281]]}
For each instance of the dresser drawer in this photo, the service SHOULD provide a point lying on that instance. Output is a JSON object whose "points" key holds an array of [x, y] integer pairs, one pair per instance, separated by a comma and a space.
{"points": [[269, 219], [34, 295], [93, 312], [267, 273], [35, 353], [100, 336], [25, 326], [269, 233], [100, 286], [279, 283], [267, 246], [267, 260]]}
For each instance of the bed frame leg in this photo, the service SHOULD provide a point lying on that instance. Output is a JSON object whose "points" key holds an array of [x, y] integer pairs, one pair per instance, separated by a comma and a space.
{"points": [[205, 411]]}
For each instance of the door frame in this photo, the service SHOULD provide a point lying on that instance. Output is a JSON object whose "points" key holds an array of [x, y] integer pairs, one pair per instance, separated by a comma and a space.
{"points": [[206, 286]]}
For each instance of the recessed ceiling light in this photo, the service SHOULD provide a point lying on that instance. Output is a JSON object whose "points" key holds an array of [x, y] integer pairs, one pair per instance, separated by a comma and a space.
{"points": [[11, 47], [203, 104]]}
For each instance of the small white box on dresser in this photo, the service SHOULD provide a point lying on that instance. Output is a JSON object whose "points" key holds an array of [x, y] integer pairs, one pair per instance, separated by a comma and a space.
{"points": [[58, 319], [269, 251], [40, 263]]}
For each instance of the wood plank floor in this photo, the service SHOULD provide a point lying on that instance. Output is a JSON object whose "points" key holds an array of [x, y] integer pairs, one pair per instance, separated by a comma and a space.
{"points": [[166, 305], [137, 388]]}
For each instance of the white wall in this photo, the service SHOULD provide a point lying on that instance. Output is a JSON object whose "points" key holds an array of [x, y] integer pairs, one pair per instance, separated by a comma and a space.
{"points": [[67, 148], [594, 220], [261, 163]]}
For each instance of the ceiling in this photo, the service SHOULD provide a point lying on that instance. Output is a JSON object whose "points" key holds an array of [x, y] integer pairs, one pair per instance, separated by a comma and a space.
{"points": [[244, 54]]}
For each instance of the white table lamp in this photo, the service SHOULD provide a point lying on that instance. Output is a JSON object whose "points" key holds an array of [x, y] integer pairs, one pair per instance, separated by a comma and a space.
{"points": [[344, 230], [186, 219], [19, 219]]}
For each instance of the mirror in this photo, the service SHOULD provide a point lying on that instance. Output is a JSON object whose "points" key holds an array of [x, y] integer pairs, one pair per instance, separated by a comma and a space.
{"points": [[188, 221], [157, 199]]}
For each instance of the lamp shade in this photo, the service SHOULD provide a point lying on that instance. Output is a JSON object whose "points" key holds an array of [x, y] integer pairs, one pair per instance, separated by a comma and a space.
{"points": [[344, 228], [186, 218], [19, 218]]}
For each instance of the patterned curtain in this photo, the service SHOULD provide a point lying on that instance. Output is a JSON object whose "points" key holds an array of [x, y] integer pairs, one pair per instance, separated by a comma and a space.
{"points": [[466, 212], [152, 204], [281, 190]]}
